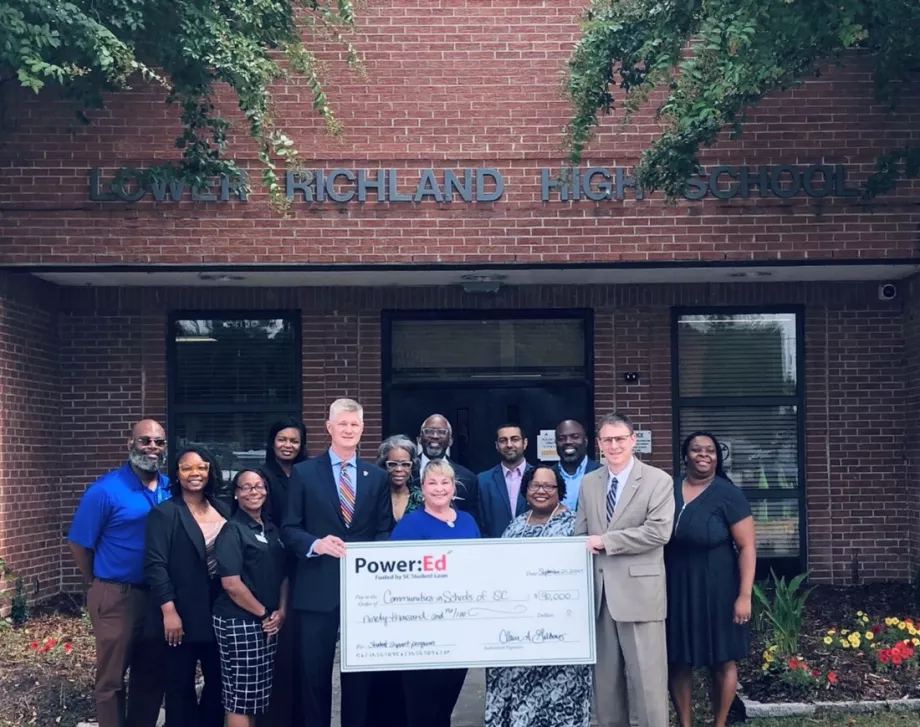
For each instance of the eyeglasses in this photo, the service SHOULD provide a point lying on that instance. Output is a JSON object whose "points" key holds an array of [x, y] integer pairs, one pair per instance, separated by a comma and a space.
{"points": [[200, 468], [607, 441], [146, 441], [398, 464], [543, 487], [246, 489], [435, 432]]}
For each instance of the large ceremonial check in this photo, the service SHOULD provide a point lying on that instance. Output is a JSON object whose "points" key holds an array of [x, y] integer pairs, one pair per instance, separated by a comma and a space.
{"points": [[467, 603]]}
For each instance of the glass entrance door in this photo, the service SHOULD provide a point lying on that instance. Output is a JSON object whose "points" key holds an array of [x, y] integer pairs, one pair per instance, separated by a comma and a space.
{"points": [[484, 369]]}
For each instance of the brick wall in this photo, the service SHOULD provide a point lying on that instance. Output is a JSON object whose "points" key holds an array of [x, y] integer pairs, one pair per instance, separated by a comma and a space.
{"points": [[855, 383], [32, 451], [453, 84], [911, 501]]}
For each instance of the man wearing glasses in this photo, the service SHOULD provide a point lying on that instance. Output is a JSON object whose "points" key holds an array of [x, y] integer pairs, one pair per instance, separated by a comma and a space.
{"points": [[434, 440], [107, 541], [627, 509], [500, 487]]}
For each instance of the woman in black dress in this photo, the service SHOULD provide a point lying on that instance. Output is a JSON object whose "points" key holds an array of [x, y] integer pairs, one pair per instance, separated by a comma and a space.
{"points": [[286, 446], [709, 564]]}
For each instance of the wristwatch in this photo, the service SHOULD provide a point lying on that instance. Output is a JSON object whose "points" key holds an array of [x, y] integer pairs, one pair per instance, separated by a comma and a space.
{"points": [[266, 614]]}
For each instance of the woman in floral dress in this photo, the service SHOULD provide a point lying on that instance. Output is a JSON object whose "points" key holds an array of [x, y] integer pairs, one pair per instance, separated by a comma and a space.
{"points": [[540, 696]]}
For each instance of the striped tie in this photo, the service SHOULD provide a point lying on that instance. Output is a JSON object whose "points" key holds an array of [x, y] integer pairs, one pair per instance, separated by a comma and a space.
{"points": [[346, 495], [611, 498]]}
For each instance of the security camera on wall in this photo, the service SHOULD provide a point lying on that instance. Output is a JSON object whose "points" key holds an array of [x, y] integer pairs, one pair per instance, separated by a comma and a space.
{"points": [[887, 291]]}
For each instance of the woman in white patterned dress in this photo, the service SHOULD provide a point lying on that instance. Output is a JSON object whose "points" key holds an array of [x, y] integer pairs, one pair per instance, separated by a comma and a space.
{"points": [[540, 696]]}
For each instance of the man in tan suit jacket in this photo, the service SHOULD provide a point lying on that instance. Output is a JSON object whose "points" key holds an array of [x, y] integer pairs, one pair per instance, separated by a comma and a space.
{"points": [[627, 509]]}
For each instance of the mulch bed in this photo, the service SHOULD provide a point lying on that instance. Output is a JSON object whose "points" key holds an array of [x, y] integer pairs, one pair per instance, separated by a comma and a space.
{"points": [[54, 687], [46, 668], [830, 607]]}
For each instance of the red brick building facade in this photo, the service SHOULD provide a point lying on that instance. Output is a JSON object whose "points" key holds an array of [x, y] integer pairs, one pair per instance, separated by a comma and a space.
{"points": [[757, 309]]}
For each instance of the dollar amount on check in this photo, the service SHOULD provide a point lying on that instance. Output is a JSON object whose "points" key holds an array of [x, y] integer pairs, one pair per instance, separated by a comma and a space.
{"points": [[468, 603]]}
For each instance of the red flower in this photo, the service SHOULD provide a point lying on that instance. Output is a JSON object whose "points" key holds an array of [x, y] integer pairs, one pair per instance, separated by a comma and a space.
{"points": [[876, 628], [896, 660], [45, 649], [68, 647], [883, 655], [815, 673], [793, 663], [33, 645], [49, 642], [832, 677]]}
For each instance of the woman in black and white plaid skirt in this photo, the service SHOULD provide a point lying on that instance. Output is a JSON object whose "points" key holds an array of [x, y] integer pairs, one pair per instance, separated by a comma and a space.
{"points": [[249, 612]]}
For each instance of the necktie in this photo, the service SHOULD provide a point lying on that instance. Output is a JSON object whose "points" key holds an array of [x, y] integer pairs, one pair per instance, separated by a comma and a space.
{"points": [[346, 495], [612, 498]]}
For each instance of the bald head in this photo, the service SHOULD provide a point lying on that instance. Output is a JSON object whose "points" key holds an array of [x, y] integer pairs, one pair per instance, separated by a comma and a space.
{"points": [[571, 444], [435, 436], [147, 447], [148, 428]]}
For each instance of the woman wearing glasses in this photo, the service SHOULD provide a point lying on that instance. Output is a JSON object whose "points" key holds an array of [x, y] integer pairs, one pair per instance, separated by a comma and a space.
{"points": [[540, 696], [396, 455], [250, 610], [181, 571]]}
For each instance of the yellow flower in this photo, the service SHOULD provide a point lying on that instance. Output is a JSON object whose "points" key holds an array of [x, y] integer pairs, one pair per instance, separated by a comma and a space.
{"points": [[828, 640], [915, 641], [773, 648], [767, 657], [889, 621], [844, 632], [902, 625], [865, 619], [869, 636], [911, 630], [844, 643], [831, 632], [860, 613]]}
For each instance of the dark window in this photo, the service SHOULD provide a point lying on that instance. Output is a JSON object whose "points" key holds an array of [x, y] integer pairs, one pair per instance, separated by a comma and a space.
{"points": [[450, 350], [738, 376], [231, 377]]}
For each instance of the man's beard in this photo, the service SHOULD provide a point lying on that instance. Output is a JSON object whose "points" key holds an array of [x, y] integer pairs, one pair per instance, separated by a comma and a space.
{"points": [[144, 463], [440, 454]]}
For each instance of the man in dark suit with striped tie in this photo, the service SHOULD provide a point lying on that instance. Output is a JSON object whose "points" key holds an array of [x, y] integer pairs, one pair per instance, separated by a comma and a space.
{"points": [[334, 499]]}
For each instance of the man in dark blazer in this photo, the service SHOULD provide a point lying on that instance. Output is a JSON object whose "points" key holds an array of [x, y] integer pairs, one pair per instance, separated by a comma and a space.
{"points": [[334, 499], [434, 440], [574, 462], [500, 487]]}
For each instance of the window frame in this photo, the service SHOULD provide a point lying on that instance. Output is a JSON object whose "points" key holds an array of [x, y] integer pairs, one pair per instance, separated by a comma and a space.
{"points": [[174, 409], [782, 566]]}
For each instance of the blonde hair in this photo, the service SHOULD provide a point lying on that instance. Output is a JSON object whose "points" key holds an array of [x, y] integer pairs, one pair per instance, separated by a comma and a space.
{"points": [[439, 467], [343, 405]]}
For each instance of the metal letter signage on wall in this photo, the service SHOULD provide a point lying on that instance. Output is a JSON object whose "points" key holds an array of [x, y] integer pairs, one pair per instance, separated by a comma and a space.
{"points": [[486, 184]]}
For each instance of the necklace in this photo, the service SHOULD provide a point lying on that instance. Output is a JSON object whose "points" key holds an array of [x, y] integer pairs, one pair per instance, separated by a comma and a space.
{"points": [[551, 516], [450, 523]]}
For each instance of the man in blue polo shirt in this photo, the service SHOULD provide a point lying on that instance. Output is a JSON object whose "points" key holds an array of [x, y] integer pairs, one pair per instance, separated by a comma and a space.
{"points": [[107, 541]]}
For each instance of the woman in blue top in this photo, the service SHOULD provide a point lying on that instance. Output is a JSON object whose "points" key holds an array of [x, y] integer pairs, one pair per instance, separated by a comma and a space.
{"points": [[432, 694]]}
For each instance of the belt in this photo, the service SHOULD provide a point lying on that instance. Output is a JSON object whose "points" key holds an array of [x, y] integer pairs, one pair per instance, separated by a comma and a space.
{"points": [[122, 585]]}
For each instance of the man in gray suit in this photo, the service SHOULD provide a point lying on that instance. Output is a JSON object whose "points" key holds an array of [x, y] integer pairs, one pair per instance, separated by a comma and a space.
{"points": [[627, 509]]}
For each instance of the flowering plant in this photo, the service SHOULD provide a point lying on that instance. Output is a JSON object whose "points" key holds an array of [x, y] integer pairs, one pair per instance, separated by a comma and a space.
{"points": [[51, 647], [794, 670], [892, 642]]}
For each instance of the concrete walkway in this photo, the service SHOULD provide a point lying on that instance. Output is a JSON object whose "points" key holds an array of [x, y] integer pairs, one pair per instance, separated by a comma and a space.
{"points": [[468, 712]]}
